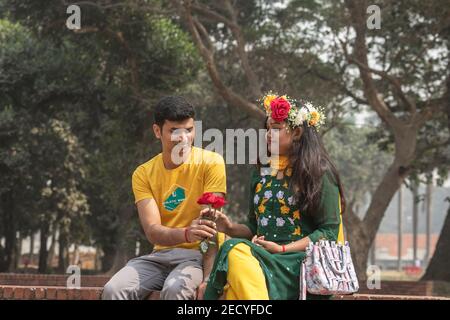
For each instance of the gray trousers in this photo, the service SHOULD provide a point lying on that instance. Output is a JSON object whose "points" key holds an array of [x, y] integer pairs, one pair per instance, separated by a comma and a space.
{"points": [[175, 272]]}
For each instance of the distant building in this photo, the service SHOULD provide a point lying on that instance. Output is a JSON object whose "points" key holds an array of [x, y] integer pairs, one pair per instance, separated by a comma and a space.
{"points": [[386, 250]]}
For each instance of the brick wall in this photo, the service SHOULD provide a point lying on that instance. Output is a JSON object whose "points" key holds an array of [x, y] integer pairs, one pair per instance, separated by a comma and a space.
{"points": [[60, 293], [408, 288], [57, 280], [41, 286], [48, 293]]}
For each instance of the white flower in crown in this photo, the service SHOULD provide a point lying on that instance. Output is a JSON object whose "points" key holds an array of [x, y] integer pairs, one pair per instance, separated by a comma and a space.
{"points": [[296, 117], [309, 105], [300, 118], [268, 194], [291, 221], [256, 199], [304, 113], [280, 222]]}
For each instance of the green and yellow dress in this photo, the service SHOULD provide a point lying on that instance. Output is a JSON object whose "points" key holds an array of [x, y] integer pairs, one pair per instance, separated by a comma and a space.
{"points": [[247, 271]]}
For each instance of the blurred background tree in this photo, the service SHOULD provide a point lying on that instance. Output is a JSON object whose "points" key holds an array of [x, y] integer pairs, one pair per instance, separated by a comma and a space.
{"points": [[397, 72]]}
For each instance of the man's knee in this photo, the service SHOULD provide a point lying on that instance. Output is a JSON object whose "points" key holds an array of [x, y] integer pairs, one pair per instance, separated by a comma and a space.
{"points": [[178, 289], [115, 291]]}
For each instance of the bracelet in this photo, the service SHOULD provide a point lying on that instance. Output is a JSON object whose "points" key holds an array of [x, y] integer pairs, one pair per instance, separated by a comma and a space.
{"points": [[186, 235], [283, 248]]}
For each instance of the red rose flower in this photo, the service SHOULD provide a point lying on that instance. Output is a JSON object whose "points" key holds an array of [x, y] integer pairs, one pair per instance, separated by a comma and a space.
{"points": [[219, 202], [280, 109], [208, 198]]}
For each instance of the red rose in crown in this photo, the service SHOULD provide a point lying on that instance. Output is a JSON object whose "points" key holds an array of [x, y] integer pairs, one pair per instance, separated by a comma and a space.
{"points": [[280, 109]]}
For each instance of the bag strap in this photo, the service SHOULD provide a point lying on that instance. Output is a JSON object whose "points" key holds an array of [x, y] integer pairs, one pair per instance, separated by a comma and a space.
{"points": [[302, 281], [332, 259], [341, 237]]}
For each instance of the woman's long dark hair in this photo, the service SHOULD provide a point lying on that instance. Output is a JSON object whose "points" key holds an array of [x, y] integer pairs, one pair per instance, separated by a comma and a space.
{"points": [[310, 161]]}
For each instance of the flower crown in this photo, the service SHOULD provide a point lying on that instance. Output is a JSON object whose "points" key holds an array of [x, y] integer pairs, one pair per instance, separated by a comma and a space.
{"points": [[281, 108]]}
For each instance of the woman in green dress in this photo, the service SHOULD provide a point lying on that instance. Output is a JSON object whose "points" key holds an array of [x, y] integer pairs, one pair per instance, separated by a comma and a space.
{"points": [[294, 200]]}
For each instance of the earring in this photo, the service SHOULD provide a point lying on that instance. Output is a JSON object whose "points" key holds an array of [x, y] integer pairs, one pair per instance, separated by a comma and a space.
{"points": [[287, 128]]}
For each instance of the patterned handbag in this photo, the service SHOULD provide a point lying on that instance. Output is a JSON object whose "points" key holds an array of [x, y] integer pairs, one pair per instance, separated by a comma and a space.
{"points": [[328, 269]]}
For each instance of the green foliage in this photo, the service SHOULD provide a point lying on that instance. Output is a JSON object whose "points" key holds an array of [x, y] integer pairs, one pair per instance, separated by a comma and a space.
{"points": [[361, 163], [75, 114]]}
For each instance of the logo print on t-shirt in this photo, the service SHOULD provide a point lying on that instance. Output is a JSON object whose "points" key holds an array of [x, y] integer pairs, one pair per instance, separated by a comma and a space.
{"points": [[174, 199]]}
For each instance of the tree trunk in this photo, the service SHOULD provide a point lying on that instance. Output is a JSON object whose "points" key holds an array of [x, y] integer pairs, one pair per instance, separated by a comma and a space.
{"points": [[2, 258], [429, 193], [373, 249], [400, 229], [97, 261], [10, 230], [357, 237], [51, 251], [62, 261], [76, 255], [109, 253], [43, 253], [122, 253], [439, 269], [17, 252], [31, 254], [360, 253], [415, 220], [362, 233]]}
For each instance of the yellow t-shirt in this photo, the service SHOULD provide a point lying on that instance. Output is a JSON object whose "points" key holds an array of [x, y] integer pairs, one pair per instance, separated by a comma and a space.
{"points": [[176, 191]]}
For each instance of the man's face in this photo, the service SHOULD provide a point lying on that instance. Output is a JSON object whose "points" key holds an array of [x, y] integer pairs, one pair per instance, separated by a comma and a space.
{"points": [[179, 134]]}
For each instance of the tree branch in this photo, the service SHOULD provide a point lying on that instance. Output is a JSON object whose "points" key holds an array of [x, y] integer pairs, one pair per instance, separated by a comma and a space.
{"points": [[214, 16], [357, 12], [341, 86], [350, 219], [237, 31], [431, 106], [225, 92], [233, 25], [393, 80]]}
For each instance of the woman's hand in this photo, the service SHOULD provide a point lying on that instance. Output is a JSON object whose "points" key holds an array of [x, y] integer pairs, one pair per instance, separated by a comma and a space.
{"points": [[254, 240], [270, 246]]}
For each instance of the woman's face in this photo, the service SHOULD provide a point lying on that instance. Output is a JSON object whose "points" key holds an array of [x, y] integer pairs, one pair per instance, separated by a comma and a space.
{"points": [[279, 137]]}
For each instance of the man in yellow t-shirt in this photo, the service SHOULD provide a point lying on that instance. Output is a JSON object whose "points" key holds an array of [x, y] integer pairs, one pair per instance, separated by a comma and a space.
{"points": [[166, 189]]}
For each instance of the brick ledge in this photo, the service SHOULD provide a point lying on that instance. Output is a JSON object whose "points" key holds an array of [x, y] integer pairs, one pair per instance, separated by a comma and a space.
{"points": [[11, 292]]}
